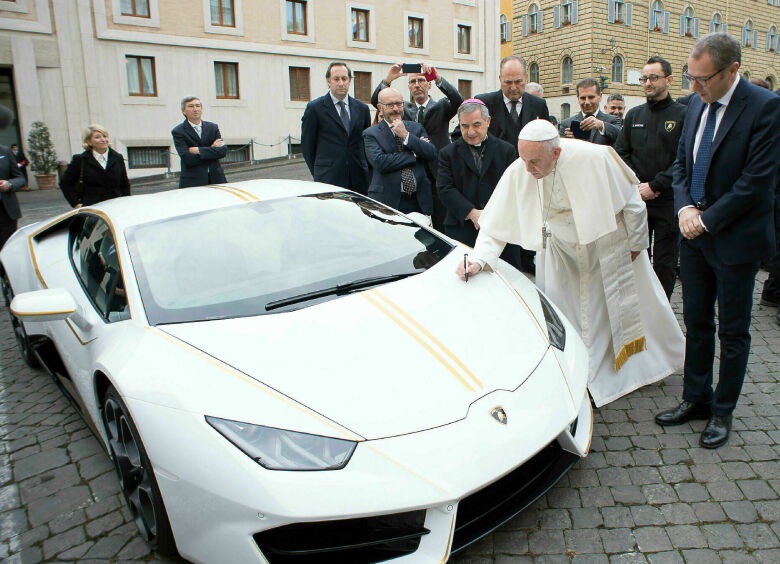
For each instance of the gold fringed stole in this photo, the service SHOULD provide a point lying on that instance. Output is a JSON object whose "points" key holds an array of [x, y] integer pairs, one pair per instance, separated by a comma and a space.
{"points": [[635, 346]]}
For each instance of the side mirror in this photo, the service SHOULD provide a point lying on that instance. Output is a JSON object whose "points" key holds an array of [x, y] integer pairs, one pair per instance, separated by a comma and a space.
{"points": [[43, 305]]}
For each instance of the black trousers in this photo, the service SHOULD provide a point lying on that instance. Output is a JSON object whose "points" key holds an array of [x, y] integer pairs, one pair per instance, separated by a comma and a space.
{"points": [[467, 234], [663, 229], [706, 278], [7, 226], [408, 204], [771, 289]]}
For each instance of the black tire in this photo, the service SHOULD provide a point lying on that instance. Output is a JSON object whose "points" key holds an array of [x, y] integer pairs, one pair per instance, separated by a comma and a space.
{"points": [[22, 340], [136, 475]]}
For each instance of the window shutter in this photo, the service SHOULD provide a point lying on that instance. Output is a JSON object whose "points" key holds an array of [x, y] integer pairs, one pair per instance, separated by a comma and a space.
{"points": [[712, 26], [628, 14], [556, 17], [724, 28], [755, 39], [682, 25], [768, 42], [540, 21], [575, 12], [525, 26], [611, 11], [696, 27], [666, 22], [743, 41], [650, 19]]}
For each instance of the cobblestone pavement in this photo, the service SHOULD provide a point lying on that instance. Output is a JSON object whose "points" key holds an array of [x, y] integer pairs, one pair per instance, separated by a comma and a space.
{"points": [[644, 494]]}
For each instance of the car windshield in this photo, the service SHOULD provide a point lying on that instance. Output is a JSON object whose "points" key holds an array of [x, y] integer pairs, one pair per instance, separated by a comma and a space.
{"points": [[290, 253]]}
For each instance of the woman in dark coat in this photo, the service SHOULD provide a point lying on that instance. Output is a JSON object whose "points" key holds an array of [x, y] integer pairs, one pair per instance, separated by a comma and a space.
{"points": [[100, 167]]}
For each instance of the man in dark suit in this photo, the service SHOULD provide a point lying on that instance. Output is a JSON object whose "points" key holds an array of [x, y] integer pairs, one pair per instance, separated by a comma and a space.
{"points": [[469, 170], [21, 160], [332, 133], [11, 180], [512, 107], [397, 151], [433, 115], [200, 146], [724, 188], [601, 128]]}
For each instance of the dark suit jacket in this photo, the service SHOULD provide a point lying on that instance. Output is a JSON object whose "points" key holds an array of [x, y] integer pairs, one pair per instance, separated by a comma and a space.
{"points": [[99, 184], [461, 187], [501, 124], [334, 155], [437, 115], [204, 168], [742, 175], [387, 161], [11, 172], [611, 127]]}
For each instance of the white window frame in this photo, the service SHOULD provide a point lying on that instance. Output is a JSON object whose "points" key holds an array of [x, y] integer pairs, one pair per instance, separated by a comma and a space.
{"points": [[41, 24], [309, 37], [771, 40], [472, 40], [19, 6], [371, 43], [152, 21], [713, 23], [426, 18], [238, 19], [212, 99], [161, 99], [505, 29]]}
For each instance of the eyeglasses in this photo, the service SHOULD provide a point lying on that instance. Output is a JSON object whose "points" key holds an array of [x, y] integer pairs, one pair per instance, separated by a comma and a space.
{"points": [[417, 80], [702, 81], [651, 78], [393, 105]]}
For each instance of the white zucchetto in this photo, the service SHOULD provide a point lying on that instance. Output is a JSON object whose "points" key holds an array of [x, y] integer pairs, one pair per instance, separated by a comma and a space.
{"points": [[538, 130]]}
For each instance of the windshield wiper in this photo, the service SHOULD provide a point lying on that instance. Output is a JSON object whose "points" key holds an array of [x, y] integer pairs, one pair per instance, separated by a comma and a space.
{"points": [[338, 290]]}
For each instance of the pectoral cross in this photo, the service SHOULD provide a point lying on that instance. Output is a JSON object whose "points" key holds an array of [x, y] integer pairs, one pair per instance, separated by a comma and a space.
{"points": [[545, 234]]}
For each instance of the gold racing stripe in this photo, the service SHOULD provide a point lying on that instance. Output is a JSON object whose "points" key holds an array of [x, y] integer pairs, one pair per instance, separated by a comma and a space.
{"points": [[242, 191], [425, 332], [226, 189], [505, 281], [449, 542], [417, 338]]}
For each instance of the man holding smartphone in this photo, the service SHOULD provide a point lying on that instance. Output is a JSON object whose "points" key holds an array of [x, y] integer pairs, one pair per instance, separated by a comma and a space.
{"points": [[434, 115], [590, 124]]}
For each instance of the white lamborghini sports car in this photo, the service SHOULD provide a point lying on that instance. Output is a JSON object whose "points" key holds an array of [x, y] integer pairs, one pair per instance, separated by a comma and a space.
{"points": [[283, 371]]}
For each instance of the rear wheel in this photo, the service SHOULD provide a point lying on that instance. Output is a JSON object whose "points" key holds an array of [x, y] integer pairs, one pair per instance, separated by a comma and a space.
{"points": [[136, 475]]}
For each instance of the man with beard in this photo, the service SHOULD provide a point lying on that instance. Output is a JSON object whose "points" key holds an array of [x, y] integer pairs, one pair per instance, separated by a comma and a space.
{"points": [[648, 144], [598, 127], [398, 150]]}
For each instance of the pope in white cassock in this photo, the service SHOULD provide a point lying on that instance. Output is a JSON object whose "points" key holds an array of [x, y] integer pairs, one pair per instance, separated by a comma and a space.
{"points": [[577, 205]]}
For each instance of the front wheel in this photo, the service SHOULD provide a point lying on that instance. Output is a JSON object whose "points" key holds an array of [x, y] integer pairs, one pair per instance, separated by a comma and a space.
{"points": [[136, 475], [22, 340]]}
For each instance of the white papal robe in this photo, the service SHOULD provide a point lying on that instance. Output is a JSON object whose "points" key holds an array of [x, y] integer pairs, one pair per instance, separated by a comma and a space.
{"points": [[594, 284]]}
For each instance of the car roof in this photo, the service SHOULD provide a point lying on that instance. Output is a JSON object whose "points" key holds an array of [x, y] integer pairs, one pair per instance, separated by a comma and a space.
{"points": [[143, 208]]}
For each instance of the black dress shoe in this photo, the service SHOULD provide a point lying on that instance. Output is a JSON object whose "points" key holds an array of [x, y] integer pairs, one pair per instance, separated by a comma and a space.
{"points": [[686, 411], [716, 432]]}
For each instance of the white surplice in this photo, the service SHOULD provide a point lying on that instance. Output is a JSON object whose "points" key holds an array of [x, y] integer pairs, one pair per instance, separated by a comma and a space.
{"points": [[618, 306]]}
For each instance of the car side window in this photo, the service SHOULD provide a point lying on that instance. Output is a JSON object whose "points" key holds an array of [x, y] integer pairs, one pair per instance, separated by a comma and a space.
{"points": [[94, 257]]}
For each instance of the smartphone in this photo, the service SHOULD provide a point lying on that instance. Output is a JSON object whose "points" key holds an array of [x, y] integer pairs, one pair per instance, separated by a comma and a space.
{"points": [[411, 68], [577, 132]]}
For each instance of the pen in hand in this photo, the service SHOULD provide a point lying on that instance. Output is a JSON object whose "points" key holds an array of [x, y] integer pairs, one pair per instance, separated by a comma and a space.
{"points": [[466, 265]]}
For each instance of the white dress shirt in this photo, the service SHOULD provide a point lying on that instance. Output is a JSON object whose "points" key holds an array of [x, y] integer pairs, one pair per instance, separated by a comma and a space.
{"points": [[101, 159], [198, 127], [338, 108], [508, 104], [724, 100]]}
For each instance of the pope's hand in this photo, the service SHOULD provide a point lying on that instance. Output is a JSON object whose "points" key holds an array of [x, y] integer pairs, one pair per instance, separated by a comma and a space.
{"points": [[690, 225], [474, 269]]}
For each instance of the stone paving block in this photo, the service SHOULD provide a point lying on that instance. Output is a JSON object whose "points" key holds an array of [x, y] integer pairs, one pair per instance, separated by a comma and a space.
{"points": [[724, 491], [49, 482], [767, 556], [515, 542], [768, 510], [616, 517], [737, 470], [669, 557], [104, 524], [647, 515], [686, 536], [76, 552], [659, 493], [67, 521], [614, 477], [729, 453], [643, 475], [41, 462], [701, 556], [758, 535], [761, 452], [596, 497], [627, 494], [95, 465], [47, 508], [691, 491], [103, 506], [586, 517], [708, 473], [618, 540], [546, 542], [652, 539], [619, 459], [678, 513], [551, 559], [675, 473], [740, 511], [757, 489], [27, 556], [722, 535], [736, 557], [583, 477], [583, 541], [563, 498], [9, 497], [63, 542], [13, 523], [28, 538], [511, 559], [709, 512], [643, 457], [628, 558], [590, 559]]}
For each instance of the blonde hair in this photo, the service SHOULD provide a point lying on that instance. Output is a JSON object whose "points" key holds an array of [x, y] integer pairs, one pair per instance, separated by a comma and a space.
{"points": [[86, 135]]}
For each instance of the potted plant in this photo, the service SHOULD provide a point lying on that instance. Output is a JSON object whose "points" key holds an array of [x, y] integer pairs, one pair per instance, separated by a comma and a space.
{"points": [[688, 34], [566, 21], [618, 20], [657, 28], [43, 158]]}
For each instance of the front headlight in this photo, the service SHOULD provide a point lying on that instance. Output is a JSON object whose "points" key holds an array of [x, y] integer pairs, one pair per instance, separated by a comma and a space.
{"points": [[555, 329], [278, 449]]}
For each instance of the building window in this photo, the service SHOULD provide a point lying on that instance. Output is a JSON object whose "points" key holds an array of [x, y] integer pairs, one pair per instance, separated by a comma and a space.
{"points": [[464, 87], [359, 25], [148, 157], [296, 17], [226, 79], [658, 18], [416, 33], [685, 84], [716, 24], [749, 35], [565, 111], [362, 82], [617, 69], [299, 84], [566, 13], [141, 79], [464, 39], [138, 8], [771, 40], [534, 19], [618, 12], [533, 72], [506, 29], [689, 26], [237, 154], [772, 83], [566, 70], [222, 13]]}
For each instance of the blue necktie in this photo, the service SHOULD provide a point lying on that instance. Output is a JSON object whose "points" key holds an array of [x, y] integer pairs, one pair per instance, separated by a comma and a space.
{"points": [[344, 115], [702, 163]]}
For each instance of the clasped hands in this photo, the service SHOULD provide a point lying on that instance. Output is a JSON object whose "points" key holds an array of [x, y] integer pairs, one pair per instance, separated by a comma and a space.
{"points": [[690, 223]]}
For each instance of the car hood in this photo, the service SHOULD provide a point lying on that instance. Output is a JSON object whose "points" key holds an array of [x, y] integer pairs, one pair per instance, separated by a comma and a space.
{"points": [[396, 359]]}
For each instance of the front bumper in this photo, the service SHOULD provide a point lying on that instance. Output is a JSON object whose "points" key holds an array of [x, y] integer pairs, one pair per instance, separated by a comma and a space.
{"points": [[455, 483]]}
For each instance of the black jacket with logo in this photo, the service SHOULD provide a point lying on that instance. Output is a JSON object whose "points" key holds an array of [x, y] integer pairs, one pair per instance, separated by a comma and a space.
{"points": [[648, 144]]}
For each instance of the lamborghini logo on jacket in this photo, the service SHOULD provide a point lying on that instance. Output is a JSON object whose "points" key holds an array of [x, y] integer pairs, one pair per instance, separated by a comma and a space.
{"points": [[499, 415], [669, 126]]}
